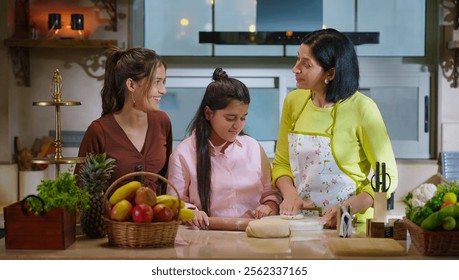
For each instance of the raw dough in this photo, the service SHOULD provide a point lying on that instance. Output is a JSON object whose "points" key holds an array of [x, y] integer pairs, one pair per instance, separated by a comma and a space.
{"points": [[268, 228]]}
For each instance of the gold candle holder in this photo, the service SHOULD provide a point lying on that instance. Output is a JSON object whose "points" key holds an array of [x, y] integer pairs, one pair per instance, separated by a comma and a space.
{"points": [[57, 102]]}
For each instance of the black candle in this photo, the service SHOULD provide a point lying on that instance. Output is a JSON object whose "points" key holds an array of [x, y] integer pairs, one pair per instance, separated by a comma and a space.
{"points": [[54, 21], [77, 22]]}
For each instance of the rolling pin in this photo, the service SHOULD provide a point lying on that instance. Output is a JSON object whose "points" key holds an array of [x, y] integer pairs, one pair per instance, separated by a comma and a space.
{"points": [[222, 223]]}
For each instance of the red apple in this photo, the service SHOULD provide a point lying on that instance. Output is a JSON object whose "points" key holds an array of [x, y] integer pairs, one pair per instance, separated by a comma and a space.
{"points": [[146, 196], [142, 213], [162, 213]]}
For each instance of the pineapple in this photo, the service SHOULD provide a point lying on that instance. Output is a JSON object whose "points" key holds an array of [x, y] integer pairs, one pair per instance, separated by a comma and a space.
{"points": [[94, 176]]}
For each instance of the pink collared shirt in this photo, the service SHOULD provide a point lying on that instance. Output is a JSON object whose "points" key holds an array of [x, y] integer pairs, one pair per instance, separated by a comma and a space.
{"points": [[240, 180]]}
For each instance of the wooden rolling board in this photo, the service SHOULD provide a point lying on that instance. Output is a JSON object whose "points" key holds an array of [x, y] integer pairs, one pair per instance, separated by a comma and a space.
{"points": [[365, 247]]}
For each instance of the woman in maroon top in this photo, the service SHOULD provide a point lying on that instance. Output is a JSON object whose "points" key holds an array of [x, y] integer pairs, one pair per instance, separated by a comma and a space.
{"points": [[131, 129]]}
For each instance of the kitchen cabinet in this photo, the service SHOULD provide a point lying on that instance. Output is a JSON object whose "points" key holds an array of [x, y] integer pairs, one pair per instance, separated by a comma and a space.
{"points": [[171, 27], [185, 89], [401, 24], [176, 29]]}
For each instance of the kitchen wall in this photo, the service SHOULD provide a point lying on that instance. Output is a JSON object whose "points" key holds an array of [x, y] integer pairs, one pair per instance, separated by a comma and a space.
{"points": [[8, 170], [19, 118], [17, 115]]}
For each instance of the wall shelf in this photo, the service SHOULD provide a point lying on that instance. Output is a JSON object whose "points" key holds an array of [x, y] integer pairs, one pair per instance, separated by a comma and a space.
{"points": [[59, 43], [20, 44], [20, 52]]}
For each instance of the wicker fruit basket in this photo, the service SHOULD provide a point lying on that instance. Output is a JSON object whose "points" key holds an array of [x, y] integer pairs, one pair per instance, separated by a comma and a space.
{"points": [[433, 243], [140, 235]]}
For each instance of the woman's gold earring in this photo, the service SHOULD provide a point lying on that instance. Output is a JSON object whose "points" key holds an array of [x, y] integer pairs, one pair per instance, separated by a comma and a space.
{"points": [[133, 99]]}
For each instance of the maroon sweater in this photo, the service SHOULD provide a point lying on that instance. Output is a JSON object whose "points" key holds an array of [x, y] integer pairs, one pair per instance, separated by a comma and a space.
{"points": [[106, 135]]}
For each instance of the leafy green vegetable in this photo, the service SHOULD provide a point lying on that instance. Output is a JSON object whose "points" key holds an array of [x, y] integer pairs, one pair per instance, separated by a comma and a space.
{"points": [[418, 214], [434, 203], [409, 206], [60, 193], [447, 187]]}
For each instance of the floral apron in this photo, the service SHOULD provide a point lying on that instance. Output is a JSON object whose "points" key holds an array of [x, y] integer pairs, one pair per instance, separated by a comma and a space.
{"points": [[317, 176]]}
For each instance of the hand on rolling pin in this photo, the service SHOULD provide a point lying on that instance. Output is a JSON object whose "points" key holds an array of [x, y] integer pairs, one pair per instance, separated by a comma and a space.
{"points": [[200, 220]]}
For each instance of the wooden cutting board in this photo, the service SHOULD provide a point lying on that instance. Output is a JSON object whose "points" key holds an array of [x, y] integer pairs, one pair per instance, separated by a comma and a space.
{"points": [[365, 247]]}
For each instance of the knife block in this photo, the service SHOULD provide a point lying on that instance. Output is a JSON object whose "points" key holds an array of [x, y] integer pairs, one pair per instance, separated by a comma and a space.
{"points": [[380, 207], [375, 229], [395, 229]]}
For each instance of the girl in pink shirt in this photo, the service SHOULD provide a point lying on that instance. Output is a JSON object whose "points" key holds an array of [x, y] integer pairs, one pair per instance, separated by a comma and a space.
{"points": [[218, 170]]}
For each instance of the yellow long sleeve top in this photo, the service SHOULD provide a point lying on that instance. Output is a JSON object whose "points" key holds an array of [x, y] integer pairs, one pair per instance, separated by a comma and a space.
{"points": [[358, 134]]}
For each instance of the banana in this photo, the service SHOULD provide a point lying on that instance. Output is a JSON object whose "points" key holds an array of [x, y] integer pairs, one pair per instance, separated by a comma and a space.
{"points": [[186, 214], [124, 191], [170, 201]]}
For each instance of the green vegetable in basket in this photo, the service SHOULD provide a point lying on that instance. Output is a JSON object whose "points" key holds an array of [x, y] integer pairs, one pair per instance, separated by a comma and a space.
{"points": [[444, 188], [418, 207], [420, 197], [436, 219], [409, 205], [60, 193], [418, 214], [434, 203], [449, 223]]}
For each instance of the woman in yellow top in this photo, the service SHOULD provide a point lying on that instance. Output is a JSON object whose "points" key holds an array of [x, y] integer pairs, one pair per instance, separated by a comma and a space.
{"points": [[330, 134]]}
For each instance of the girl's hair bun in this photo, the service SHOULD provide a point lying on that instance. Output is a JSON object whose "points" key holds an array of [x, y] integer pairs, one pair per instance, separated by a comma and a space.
{"points": [[219, 74]]}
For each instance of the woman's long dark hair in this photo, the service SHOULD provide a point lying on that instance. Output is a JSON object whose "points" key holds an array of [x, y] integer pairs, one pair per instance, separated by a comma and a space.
{"points": [[332, 48], [218, 95], [134, 63]]}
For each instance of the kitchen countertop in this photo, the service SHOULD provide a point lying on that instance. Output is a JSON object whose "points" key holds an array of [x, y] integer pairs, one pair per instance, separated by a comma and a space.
{"points": [[397, 213], [204, 244], [209, 244]]}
